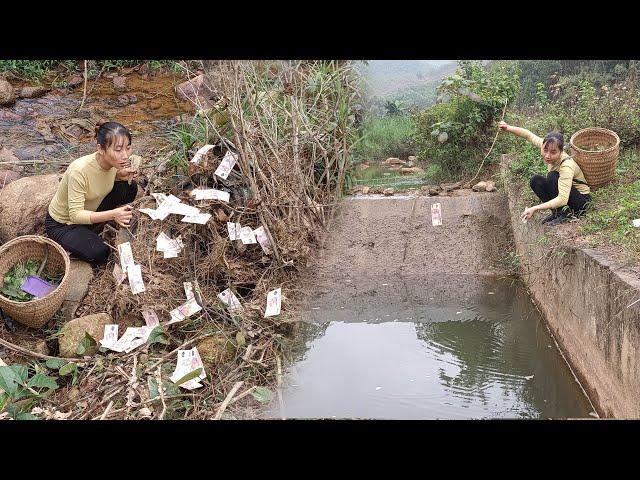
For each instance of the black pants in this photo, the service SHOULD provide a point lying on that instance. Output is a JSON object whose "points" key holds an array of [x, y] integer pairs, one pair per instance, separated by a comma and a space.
{"points": [[82, 240], [546, 188]]}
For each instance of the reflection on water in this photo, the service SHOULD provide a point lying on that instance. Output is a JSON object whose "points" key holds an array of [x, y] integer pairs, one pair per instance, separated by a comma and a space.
{"points": [[415, 353]]}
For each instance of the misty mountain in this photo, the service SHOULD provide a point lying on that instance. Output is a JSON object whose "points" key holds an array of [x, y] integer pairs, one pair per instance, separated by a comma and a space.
{"points": [[384, 77]]}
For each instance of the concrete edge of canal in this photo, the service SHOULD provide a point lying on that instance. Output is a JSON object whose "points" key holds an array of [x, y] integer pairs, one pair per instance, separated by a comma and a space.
{"points": [[588, 303]]}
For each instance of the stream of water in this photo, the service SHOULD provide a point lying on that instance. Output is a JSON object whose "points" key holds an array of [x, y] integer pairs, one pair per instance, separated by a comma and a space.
{"points": [[392, 352]]}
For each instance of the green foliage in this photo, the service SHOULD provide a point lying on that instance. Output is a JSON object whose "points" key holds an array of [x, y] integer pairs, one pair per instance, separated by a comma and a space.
{"points": [[86, 343], [20, 390], [158, 335], [14, 279], [383, 137], [455, 134]]}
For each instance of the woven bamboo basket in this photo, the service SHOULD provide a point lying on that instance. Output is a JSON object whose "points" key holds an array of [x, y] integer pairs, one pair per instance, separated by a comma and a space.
{"points": [[34, 313], [598, 166]]}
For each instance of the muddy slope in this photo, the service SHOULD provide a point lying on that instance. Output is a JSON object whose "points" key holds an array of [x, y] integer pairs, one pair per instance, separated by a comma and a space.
{"points": [[374, 239]]}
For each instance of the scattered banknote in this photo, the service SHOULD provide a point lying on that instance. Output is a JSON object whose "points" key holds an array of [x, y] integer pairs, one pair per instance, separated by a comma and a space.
{"points": [[126, 256], [247, 236], [228, 161], [200, 218], [210, 194], [436, 214], [183, 209], [151, 212], [118, 275], [170, 247], [160, 197], [261, 235], [201, 153], [183, 311], [110, 336], [188, 361], [132, 338], [164, 209], [188, 290], [136, 162], [273, 303], [150, 318], [135, 279], [229, 299], [234, 230]]}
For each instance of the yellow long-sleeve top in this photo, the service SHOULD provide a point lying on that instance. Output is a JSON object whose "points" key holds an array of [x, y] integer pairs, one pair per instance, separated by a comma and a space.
{"points": [[569, 172], [81, 190]]}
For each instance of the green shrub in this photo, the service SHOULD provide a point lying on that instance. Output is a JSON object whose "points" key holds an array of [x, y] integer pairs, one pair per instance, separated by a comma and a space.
{"points": [[456, 134], [384, 137]]}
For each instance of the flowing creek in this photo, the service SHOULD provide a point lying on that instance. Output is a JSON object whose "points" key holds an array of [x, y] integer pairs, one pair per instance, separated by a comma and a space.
{"points": [[434, 347]]}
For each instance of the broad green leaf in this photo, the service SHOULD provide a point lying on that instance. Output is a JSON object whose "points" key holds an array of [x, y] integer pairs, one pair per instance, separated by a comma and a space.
{"points": [[158, 336], [68, 368], [263, 395], [189, 376], [86, 343], [21, 371], [25, 416], [8, 380], [55, 363], [42, 381], [240, 340]]}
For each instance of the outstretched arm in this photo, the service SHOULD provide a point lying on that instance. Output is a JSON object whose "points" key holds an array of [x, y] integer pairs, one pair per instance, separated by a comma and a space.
{"points": [[521, 132]]}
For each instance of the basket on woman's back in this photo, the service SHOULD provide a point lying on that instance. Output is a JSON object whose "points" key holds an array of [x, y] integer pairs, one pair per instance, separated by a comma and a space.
{"points": [[596, 151]]}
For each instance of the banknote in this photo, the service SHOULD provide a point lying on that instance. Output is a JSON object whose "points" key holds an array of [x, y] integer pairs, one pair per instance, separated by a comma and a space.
{"points": [[229, 299], [110, 336], [247, 236], [261, 235], [126, 256], [160, 197], [234, 230], [150, 211], [436, 214], [183, 311], [210, 194], [135, 279], [150, 317], [200, 153], [164, 208], [188, 361], [118, 275], [188, 290], [228, 161], [183, 209], [201, 218], [273, 303]]}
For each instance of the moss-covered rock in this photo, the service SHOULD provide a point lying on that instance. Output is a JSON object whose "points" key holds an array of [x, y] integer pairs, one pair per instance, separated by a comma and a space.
{"points": [[74, 331]]}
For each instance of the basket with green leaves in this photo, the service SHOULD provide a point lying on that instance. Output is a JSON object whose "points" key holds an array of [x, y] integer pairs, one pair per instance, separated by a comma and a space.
{"points": [[41, 263]]}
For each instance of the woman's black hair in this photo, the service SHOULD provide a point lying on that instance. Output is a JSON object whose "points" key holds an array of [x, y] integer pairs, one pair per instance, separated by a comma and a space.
{"points": [[107, 132], [555, 138]]}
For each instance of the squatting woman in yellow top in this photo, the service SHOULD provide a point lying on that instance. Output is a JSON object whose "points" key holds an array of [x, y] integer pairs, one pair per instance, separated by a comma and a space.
{"points": [[564, 190], [94, 190]]}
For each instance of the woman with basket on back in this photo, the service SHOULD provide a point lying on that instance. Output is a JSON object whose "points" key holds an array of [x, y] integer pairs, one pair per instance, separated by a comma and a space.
{"points": [[564, 189]]}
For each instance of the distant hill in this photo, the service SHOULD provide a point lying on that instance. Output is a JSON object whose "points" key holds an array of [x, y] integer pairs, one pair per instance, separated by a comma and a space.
{"points": [[383, 78]]}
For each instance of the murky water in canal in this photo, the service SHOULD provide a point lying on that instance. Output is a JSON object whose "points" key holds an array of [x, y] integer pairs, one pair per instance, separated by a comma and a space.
{"points": [[438, 347]]}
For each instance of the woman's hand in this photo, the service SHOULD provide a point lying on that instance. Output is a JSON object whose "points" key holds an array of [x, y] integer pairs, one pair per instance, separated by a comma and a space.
{"points": [[528, 213], [126, 174], [503, 126], [122, 215]]}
